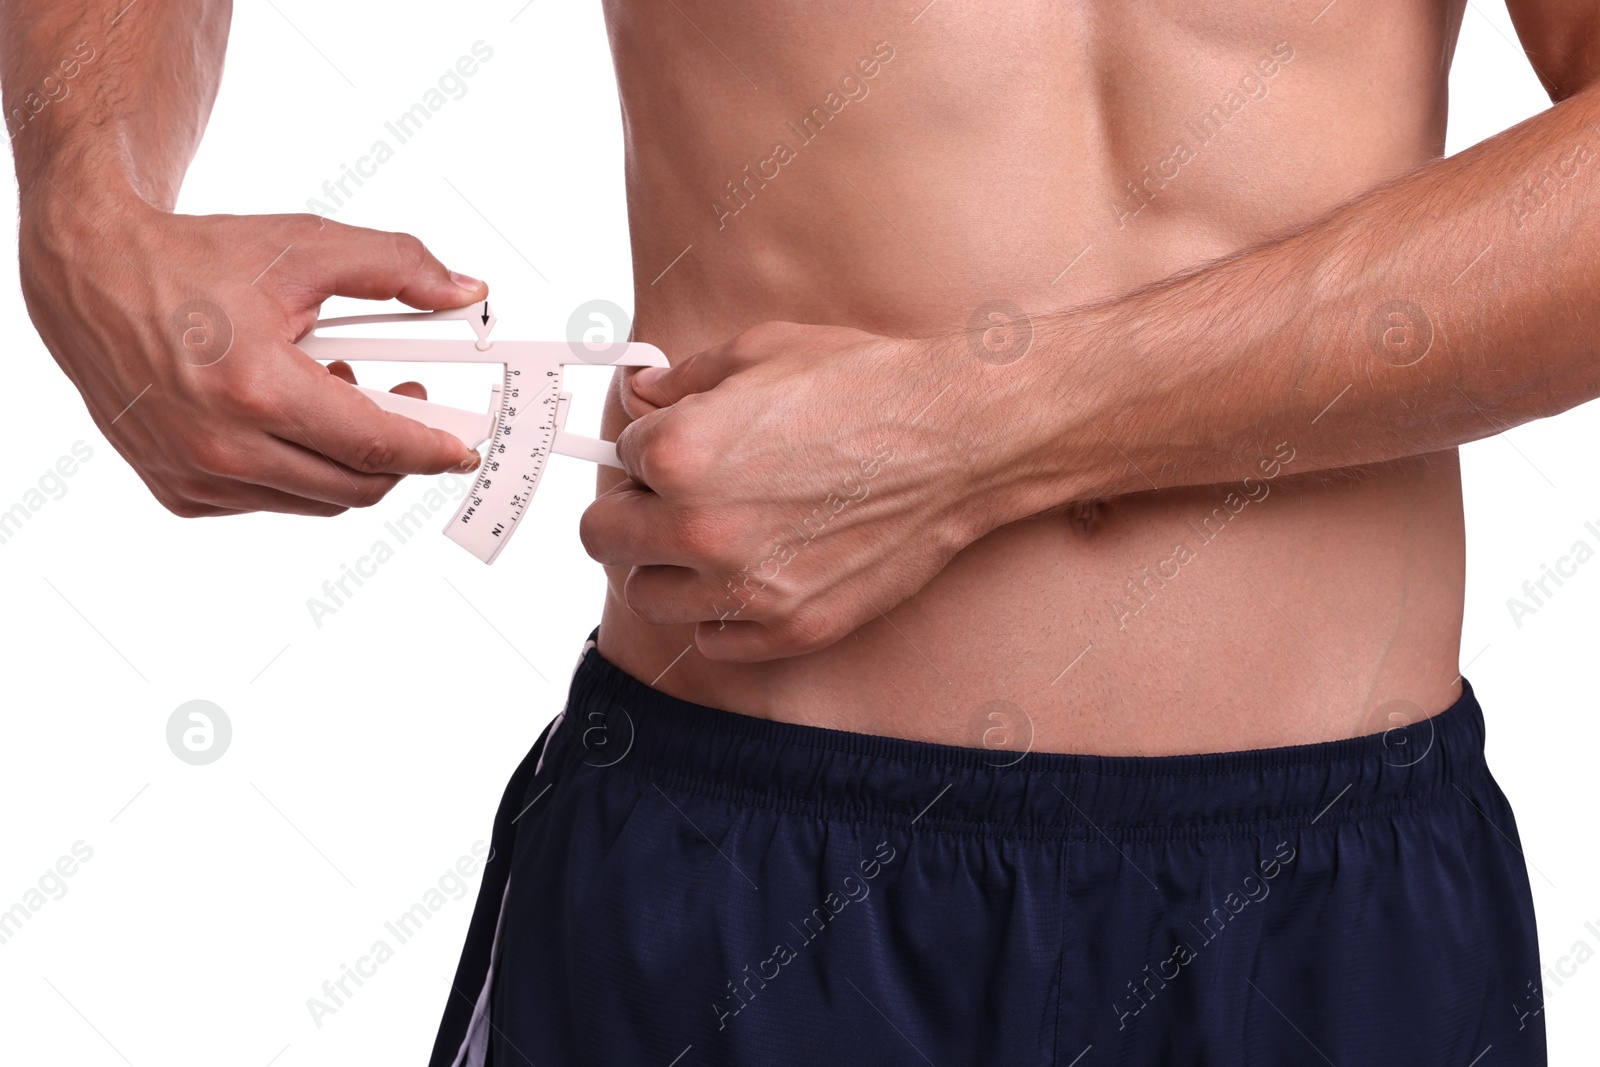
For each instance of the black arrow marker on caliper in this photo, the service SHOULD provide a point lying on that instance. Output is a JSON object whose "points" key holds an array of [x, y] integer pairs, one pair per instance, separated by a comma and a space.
{"points": [[486, 312]]}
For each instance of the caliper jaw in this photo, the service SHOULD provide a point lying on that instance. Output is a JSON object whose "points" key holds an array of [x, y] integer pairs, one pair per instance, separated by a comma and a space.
{"points": [[518, 441]]}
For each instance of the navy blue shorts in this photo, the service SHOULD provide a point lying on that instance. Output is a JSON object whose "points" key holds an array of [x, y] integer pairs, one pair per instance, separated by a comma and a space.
{"points": [[678, 886]]}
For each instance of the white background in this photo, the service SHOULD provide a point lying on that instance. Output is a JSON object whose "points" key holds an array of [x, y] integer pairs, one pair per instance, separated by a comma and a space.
{"points": [[219, 898]]}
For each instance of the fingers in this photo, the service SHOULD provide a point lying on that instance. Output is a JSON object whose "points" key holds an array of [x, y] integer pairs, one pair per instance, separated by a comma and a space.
{"points": [[793, 633], [635, 404], [236, 498], [323, 414], [662, 388], [217, 491], [290, 469], [665, 596], [227, 473], [671, 451], [342, 260], [625, 527], [268, 474], [700, 372], [343, 371], [738, 641]]}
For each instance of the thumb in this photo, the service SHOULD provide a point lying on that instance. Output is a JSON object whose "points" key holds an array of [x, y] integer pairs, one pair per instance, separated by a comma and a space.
{"points": [[377, 265], [699, 373]]}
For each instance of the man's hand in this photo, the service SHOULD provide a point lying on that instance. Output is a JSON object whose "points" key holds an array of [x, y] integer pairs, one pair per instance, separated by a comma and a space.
{"points": [[793, 483], [179, 332]]}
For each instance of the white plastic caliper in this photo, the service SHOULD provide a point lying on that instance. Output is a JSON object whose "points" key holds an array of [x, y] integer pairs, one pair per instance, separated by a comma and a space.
{"points": [[526, 416]]}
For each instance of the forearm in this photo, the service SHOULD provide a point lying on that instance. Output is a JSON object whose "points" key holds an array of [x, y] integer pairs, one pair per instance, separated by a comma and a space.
{"points": [[1491, 259], [105, 99]]}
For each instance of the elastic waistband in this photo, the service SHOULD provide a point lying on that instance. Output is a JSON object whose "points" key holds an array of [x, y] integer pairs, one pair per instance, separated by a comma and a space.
{"points": [[862, 777]]}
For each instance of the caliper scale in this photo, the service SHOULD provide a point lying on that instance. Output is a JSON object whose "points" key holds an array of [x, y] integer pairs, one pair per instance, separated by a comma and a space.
{"points": [[525, 421]]}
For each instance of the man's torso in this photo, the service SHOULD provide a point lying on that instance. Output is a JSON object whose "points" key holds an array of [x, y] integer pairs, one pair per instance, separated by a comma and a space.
{"points": [[871, 166]]}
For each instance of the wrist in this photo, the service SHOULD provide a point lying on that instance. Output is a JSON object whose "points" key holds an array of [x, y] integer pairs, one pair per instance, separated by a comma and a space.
{"points": [[1043, 400], [981, 411], [65, 213]]}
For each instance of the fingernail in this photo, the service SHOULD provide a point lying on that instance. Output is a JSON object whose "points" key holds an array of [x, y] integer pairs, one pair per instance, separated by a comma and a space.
{"points": [[466, 281], [469, 464], [648, 375]]}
